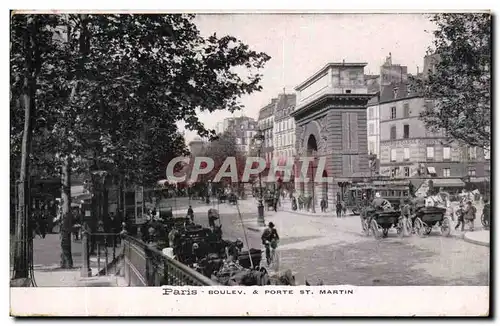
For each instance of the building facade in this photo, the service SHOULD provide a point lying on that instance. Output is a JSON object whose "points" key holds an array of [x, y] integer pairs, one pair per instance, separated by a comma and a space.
{"points": [[373, 125], [408, 149], [382, 86], [196, 146], [284, 127], [330, 118], [244, 129], [266, 125]]}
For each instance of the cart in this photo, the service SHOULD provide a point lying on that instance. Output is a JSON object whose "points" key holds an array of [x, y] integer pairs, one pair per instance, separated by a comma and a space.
{"points": [[429, 217], [383, 221]]}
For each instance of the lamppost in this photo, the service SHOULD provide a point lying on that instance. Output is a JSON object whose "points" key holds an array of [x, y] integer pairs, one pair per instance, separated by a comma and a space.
{"points": [[258, 141]]}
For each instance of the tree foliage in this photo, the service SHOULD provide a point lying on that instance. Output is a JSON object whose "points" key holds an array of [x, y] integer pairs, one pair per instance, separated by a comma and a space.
{"points": [[460, 85], [136, 78]]}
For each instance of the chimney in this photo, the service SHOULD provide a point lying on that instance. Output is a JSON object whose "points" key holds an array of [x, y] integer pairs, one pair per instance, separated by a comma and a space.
{"points": [[417, 71]]}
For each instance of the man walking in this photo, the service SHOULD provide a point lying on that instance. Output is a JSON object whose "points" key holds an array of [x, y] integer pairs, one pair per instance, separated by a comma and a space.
{"points": [[270, 240]]}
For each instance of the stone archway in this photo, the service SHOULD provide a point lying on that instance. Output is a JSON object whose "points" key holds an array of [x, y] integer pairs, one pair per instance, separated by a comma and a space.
{"points": [[312, 189]]}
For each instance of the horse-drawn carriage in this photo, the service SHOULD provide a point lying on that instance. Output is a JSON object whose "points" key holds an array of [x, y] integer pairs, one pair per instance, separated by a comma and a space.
{"points": [[379, 222], [429, 217]]}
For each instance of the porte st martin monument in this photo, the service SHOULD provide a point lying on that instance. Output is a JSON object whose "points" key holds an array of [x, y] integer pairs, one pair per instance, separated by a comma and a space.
{"points": [[331, 123]]}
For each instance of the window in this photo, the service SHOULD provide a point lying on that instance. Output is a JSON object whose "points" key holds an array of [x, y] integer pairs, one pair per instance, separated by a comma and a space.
{"points": [[242, 126], [406, 154], [406, 131], [472, 153], [238, 141], [446, 153], [407, 171], [430, 153], [446, 172], [487, 153], [370, 113], [471, 172], [393, 132], [371, 147], [406, 110], [393, 112], [370, 129], [393, 155], [394, 172]]}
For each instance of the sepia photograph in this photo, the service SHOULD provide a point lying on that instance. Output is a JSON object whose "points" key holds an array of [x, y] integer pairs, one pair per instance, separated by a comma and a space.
{"points": [[326, 158]]}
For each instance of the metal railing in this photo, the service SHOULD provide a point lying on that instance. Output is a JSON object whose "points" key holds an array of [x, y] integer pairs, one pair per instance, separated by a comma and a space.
{"points": [[103, 246], [146, 266]]}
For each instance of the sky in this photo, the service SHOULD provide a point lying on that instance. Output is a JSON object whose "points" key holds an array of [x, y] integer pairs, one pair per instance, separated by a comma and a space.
{"points": [[301, 44]]}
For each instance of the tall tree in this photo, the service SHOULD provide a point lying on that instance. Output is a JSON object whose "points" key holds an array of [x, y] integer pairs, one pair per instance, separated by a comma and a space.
{"points": [[31, 45], [460, 85], [116, 86]]}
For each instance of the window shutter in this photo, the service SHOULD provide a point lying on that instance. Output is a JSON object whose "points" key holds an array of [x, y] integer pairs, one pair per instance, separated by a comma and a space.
{"points": [[353, 130], [346, 165], [354, 163], [345, 131]]}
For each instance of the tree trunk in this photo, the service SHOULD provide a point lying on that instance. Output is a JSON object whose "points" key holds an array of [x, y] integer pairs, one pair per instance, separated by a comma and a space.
{"points": [[66, 223], [22, 255]]}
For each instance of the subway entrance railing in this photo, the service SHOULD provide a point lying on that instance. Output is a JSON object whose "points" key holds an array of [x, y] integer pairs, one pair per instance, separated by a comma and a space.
{"points": [[141, 264], [146, 266]]}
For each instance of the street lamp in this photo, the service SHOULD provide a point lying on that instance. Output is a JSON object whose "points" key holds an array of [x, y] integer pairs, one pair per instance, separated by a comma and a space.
{"points": [[258, 141], [100, 176]]}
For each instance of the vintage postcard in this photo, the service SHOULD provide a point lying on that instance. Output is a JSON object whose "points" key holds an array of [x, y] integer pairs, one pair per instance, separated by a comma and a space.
{"points": [[250, 164]]}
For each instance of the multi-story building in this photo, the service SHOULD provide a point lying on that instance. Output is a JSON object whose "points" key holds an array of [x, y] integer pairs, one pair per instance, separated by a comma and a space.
{"points": [[284, 127], [408, 149], [373, 125], [266, 123], [244, 129], [380, 86]]}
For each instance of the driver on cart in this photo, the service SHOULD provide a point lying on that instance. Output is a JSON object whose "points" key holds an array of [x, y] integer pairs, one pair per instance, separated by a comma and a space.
{"points": [[378, 204]]}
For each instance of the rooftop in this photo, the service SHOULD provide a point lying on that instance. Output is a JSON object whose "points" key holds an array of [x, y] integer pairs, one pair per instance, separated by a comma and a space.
{"points": [[325, 68]]}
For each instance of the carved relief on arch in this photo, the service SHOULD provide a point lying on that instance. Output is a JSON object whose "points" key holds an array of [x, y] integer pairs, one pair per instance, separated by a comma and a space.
{"points": [[322, 140]]}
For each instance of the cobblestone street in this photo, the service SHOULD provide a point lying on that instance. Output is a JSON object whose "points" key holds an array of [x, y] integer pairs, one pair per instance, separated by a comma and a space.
{"points": [[334, 251]]}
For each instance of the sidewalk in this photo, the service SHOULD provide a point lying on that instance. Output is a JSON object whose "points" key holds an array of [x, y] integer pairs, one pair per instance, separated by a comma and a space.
{"points": [[46, 256], [55, 277], [481, 238]]}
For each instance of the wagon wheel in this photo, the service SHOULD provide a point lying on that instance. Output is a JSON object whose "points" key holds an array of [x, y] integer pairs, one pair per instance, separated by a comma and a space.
{"points": [[385, 232], [484, 221], [400, 227], [408, 225], [445, 227], [365, 227], [374, 227], [419, 227]]}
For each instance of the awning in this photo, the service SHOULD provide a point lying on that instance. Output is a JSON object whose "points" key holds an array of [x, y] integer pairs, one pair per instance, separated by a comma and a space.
{"points": [[479, 179], [448, 183], [431, 170]]}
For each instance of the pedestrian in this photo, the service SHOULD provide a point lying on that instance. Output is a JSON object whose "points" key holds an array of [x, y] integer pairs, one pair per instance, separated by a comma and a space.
{"points": [[294, 204], [338, 207], [470, 214], [270, 240], [460, 217], [323, 205], [486, 214], [213, 215], [344, 208], [190, 213]]}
